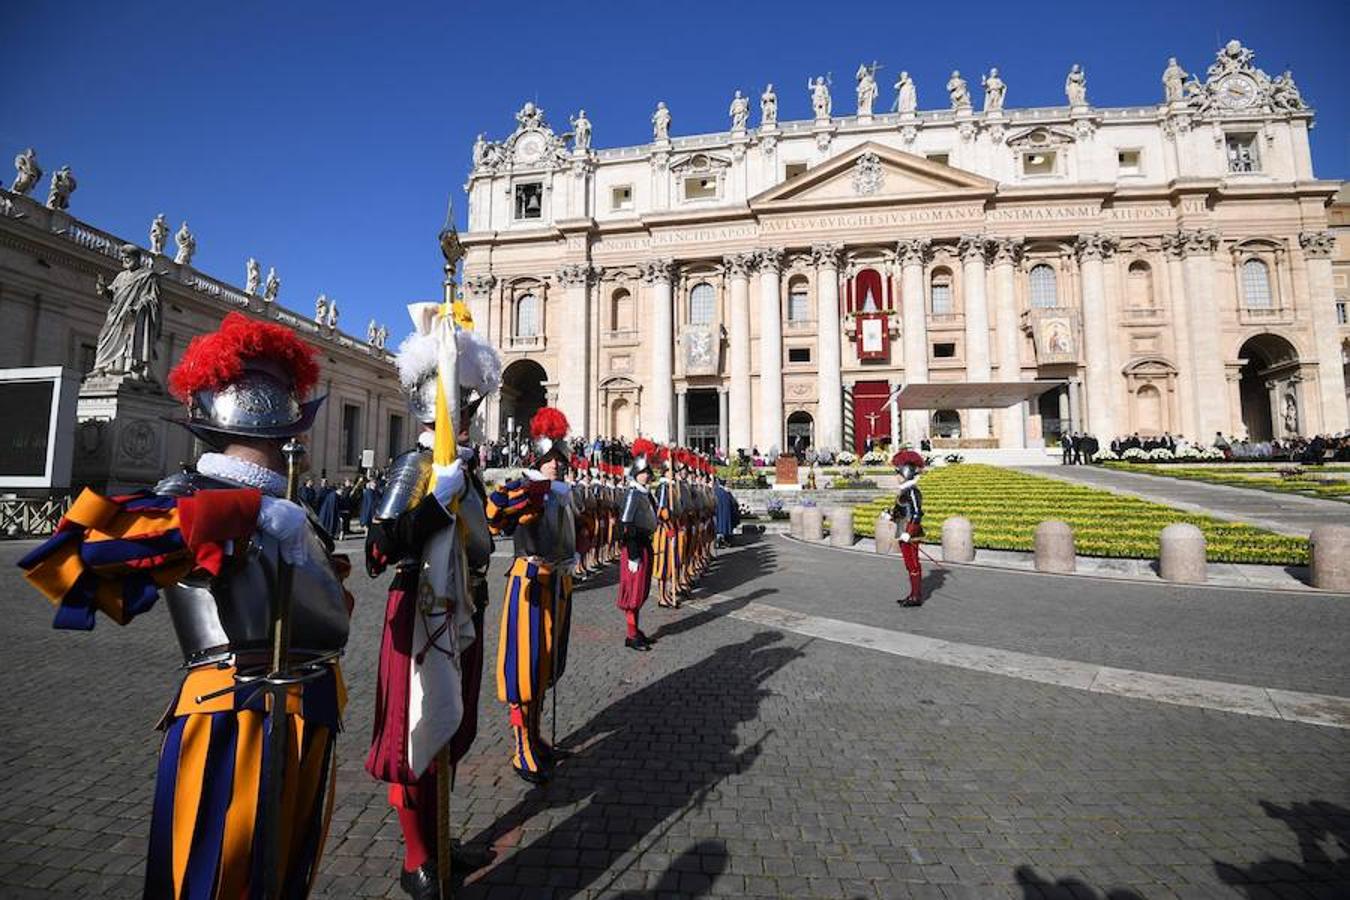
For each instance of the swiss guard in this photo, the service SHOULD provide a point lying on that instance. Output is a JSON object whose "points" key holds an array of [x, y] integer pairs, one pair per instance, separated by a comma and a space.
{"points": [[243, 794], [537, 511], [637, 528], [907, 513], [431, 526]]}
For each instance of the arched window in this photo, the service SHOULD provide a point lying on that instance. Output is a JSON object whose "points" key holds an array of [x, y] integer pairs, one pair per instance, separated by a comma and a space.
{"points": [[942, 292], [1044, 293], [1256, 284], [621, 311], [702, 299], [527, 316], [1140, 285], [947, 423], [799, 300]]}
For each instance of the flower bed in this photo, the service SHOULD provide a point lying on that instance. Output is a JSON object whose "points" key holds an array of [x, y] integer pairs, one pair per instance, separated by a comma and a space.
{"points": [[1005, 506], [1285, 478]]}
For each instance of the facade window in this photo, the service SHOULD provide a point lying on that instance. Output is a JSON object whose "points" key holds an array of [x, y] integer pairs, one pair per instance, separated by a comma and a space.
{"points": [[947, 423], [1043, 291], [621, 198], [943, 158], [88, 352], [527, 316], [702, 299], [351, 435], [1341, 313], [799, 301], [395, 435], [944, 351], [799, 354], [530, 200], [1242, 153], [793, 169], [1127, 162], [942, 292], [1038, 162], [1139, 288], [1256, 285], [700, 187], [621, 311]]}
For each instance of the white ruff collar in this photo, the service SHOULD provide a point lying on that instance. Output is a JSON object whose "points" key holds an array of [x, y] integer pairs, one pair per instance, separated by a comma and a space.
{"points": [[240, 471]]}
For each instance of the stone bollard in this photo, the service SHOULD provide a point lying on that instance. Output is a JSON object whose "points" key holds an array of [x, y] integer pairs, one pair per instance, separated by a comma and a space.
{"points": [[885, 534], [813, 524], [1329, 557], [1054, 547], [958, 540], [841, 527], [795, 521], [1181, 554]]}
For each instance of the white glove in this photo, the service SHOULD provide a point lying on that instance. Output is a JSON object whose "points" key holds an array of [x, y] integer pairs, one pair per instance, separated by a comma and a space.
{"points": [[285, 522], [633, 566], [449, 483], [905, 537], [886, 514]]}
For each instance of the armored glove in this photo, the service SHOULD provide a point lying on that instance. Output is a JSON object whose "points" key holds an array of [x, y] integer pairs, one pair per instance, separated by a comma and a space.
{"points": [[285, 522]]}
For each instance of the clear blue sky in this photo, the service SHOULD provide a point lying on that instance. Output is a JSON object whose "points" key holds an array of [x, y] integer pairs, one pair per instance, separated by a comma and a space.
{"points": [[325, 138]]}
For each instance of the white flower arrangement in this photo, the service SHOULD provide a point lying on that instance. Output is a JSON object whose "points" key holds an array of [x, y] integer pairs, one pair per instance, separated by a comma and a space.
{"points": [[1160, 453], [1134, 453], [1187, 452], [1211, 453], [875, 458], [845, 458]]}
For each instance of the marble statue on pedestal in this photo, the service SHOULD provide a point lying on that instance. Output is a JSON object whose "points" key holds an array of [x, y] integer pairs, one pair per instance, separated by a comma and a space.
{"points": [[253, 277], [820, 97], [479, 151], [128, 342], [381, 336], [1284, 93], [27, 172], [768, 108], [661, 122], [187, 245], [271, 286], [994, 91], [159, 233], [321, 310], [739, 112], [1174, 81], [1075, 86], [372, 331], [906, 95], [332, 315], [866, 77], [581, 132], [958, 91], [63, 185]]}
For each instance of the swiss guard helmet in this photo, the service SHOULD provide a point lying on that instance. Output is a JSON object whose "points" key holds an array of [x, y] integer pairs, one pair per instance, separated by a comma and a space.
{"points": [[908, 462]]}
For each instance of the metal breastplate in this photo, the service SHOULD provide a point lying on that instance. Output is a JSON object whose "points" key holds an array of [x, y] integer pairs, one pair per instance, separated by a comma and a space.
{"points": [[407, 483], [478, 545], [638, 510], [552, 536]]}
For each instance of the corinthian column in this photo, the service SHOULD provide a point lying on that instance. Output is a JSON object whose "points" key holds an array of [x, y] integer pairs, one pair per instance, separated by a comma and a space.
{"points": [[769, 425], [1197, 248], [1006, 252], [1092, 251], [480, 288], [1318, 247], [913, 255], [971, 249], [656, 413], [738, 268], [830, 384], [1172, 245], [574, 392]]}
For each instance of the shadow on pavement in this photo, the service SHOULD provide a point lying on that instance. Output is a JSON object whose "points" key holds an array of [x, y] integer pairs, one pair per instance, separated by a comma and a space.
{"points": [[691, 874], [1320, 826], [703, 617], [649, 757], [1036, 887]]}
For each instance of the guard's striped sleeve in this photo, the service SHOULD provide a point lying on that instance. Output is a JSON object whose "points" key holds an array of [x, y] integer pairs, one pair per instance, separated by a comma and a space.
{"points": [[517, 502]]}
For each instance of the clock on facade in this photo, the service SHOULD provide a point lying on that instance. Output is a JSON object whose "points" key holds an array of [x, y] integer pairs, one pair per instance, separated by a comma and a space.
{"points": [[1237, 92], [530, 148]]}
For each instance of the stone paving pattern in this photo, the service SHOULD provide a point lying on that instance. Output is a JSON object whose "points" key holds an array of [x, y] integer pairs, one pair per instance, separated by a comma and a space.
{"points": [[740, 761]]}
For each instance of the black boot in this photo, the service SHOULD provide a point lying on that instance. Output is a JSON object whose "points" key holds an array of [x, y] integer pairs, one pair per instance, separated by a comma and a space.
{"points": [[421, 884], [636, 643]]}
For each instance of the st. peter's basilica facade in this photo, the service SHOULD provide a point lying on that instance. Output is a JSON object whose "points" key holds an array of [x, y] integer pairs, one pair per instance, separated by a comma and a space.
{"points": [[1163, 268]]}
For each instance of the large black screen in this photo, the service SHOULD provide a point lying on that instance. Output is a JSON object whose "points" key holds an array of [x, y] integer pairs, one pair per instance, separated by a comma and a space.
{"points": [[25, 422]]}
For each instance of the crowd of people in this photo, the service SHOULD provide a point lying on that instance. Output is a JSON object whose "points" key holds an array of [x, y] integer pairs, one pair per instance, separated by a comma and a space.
{"points": [[1078, 448], [1315, 450]]}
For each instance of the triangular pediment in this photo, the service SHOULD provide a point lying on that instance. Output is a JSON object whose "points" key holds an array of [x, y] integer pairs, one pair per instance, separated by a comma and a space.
{"points": [[872, 172]]}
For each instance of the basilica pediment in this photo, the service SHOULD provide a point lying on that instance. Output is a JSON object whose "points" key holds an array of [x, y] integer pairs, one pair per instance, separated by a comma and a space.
{"points": [[871, 172]]}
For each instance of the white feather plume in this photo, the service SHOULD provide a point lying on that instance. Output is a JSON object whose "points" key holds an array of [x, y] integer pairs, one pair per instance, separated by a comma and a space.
{"points": [[480, 368], [416, 359]]}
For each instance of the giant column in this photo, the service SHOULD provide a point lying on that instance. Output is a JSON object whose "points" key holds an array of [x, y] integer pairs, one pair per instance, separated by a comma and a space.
{"points": [[480, 307], [1093, 249], [1197, 248], [738, 268], [1005, 253], [1173, 247], [830, 383], [769, 425], [913, 255], [574, 394], [1318, 247], [657, 275], [971, 249]]}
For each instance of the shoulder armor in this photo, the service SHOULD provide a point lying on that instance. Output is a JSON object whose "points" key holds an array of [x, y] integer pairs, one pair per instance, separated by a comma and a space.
{"points": [[184, 484], [406, 483]]}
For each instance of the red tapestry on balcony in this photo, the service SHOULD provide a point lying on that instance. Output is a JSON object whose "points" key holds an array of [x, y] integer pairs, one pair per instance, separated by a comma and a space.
{"points": [[871, 413], [869, 302]]}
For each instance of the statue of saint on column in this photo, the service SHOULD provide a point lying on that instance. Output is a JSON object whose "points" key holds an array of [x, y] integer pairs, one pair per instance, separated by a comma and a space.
{"points": [[128, 343]]}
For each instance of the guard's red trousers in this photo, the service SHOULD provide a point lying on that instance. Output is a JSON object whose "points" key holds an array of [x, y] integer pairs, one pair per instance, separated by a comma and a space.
{"points": [[909, 552]]}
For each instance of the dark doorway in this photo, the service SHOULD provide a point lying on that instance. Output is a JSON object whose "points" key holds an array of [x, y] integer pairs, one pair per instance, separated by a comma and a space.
{"points": [[701, 429], [1269, 358], [522, 396]]}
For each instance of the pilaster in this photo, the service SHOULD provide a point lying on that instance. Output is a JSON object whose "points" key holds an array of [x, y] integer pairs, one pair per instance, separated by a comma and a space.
{"points": [[1092, 250], [829, 403], [1318, 249]]}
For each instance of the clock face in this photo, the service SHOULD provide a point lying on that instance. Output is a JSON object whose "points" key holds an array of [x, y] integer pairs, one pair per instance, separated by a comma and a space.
{"points": [[530, 147], [1236, 92]]}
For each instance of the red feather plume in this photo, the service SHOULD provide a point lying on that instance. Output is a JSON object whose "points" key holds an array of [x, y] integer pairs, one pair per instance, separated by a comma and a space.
{"points": [[550, 423], [214, 360], [907, 457], [643, 447]]}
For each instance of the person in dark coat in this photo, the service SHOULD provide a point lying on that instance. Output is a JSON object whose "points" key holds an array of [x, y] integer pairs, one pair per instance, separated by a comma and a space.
{"points": [[369, 499], [327, 507], [1066, 448], [728, 514]]}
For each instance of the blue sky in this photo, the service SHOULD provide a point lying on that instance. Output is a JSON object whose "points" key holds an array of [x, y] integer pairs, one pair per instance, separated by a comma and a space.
{"points": [[326, 138]]}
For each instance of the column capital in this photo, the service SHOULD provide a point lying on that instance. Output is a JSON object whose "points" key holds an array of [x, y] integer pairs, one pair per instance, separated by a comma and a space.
{"points": [[480, 284], [740, 265], [655, 270], [1317, 244], [770, 259], [1005, 251], [972, 247], [1095, 246], [578, 274], [826, 256], [1191, 242], [914, 252]]}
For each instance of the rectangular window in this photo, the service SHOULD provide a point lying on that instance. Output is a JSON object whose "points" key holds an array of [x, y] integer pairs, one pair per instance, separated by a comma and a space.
{"points": [[395, 435], [1341, 315], [700, 188], [944, 351], [351, 435], [88, 352], [1127, 162], [621, 198], [793, 169], [530, 200], [799, 305], [1038, 162], [799, 354], [943, 158], [942, 299], [1242, 153]]}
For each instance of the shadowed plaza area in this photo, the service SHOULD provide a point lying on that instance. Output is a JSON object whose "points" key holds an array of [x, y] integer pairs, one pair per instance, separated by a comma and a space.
{"points": [[742, 760]]}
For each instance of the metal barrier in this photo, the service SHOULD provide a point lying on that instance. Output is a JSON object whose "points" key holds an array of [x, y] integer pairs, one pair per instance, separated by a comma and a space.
{"points": [[28, 518]]}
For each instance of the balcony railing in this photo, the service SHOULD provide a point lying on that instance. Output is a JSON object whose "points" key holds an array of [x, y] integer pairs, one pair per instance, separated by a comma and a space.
{"points": [[525, 343], [1260, 315], [945, 320], [622, 336], [799, 325], [1143, 312]]}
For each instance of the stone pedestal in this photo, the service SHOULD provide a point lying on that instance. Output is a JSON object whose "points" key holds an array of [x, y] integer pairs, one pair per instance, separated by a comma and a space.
{"points": [[841, 526], [958, 540], [785, 473], [1181, 554], [885, 535], [795, 521], [1054, 547], [813, 524], [123, 441], [1329, 547]]}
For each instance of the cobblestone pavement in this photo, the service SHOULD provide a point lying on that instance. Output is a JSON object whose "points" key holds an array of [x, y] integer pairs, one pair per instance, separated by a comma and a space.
{"points": [[736, 760]]}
